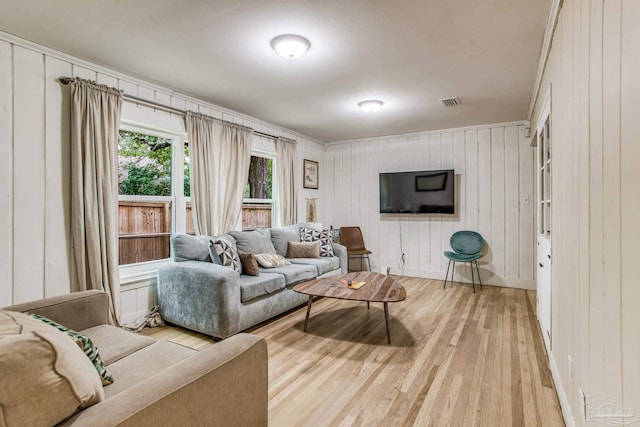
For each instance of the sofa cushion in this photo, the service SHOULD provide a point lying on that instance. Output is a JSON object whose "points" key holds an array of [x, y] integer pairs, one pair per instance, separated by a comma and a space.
{"points": [[115, 343], [86, 345], [252, 287], [145, 363], [249, 264], [185, 247], [254, 242], [282, 235], [324, 236], [323, 264], [303, 249], [225, 247], [294, 273], [50, 378]]}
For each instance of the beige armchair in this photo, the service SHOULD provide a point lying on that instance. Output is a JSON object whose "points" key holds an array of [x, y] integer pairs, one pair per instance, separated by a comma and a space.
{"points": [[163, 383]]}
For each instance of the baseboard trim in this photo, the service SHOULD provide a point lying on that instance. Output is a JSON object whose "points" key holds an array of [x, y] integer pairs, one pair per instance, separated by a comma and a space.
{"points": [[562, 395], [528, 284]]}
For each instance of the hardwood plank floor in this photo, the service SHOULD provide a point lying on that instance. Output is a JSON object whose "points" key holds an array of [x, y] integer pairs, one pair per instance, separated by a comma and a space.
{"points": [[455, 359]]}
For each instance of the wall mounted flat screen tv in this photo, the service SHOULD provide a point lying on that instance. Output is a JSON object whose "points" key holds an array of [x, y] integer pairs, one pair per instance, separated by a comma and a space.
{"points": [[418, 192]]}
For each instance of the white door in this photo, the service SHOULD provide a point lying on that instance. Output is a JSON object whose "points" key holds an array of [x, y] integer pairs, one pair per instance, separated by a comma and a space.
{"points": [[544, 222]]}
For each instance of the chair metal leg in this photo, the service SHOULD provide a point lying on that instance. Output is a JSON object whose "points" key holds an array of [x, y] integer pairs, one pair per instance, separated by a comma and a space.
{"points": [[473, 282], [478, 270], [361, 262], [453, 271], [368, 263], [446, 275]]}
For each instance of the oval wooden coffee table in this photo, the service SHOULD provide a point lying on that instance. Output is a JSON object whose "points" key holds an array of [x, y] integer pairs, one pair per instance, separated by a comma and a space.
{"points": [[378, 288]]}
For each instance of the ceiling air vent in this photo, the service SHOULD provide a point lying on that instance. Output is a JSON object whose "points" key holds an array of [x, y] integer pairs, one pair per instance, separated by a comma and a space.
{"points": [[450, 102]]}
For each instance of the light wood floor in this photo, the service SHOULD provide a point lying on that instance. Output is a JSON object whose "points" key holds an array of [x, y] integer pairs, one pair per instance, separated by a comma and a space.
{"points": [[455, 359]]}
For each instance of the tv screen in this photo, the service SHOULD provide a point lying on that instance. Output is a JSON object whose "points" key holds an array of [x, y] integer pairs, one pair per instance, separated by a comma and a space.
{"points": [[418, 192]]}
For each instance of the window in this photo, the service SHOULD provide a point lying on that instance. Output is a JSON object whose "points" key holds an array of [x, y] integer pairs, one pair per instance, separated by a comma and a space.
{"points": [[258, 194], [152, 194]]}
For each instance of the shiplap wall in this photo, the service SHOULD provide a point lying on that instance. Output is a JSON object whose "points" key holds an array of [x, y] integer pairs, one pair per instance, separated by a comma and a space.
{"points": [[35, 248], [495, 196], [593, 73]]}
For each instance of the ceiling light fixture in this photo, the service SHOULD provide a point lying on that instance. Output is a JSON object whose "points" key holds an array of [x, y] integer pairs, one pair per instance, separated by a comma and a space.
{"points": [[290, 46], [371, 105]]}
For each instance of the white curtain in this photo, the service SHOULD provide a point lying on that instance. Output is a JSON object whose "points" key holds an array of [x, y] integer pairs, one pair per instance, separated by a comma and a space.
{"points": [[287, 156], [219, 153], [95, 123]]}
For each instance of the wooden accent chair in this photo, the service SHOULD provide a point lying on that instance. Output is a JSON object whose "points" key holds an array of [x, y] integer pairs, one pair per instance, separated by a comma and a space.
{"points": [[351, 238]]}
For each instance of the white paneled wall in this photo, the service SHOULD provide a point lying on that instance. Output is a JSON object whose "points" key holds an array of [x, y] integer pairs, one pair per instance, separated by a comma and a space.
{"points": [[592, 73], [35, 248], [495, 196]]}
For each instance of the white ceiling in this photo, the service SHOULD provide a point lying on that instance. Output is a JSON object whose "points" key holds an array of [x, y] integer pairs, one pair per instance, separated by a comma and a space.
{"points": [[408, 53]]}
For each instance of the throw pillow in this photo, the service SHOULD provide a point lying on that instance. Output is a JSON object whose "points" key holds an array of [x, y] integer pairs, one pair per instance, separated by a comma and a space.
{"points": [[225, 247], [49, 378], [303, 249], [324, 236], [215, 258], [253, 242], [85, 344], [272, 260], [249, 264]]}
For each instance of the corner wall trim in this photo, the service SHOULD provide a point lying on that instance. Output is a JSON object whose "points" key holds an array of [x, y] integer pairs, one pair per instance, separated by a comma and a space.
{"points": [[552, 22]]}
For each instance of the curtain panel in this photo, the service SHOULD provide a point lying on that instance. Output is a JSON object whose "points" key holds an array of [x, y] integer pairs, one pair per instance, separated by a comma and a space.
{"points": [[287, 155], [220, 153], [95, 123]]}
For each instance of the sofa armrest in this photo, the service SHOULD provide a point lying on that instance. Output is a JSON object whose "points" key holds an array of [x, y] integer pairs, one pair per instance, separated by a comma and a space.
{"points": [[222, 385], [201, 296], [77, 310], [341, 252]]}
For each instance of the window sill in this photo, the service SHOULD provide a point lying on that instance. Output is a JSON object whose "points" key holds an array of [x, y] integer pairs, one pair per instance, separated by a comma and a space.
{"points": [[139, 275]]}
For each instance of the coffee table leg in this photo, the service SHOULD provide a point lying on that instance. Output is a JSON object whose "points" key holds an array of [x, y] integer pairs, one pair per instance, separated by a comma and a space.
{"points": [[386, 321], [306, 319]]}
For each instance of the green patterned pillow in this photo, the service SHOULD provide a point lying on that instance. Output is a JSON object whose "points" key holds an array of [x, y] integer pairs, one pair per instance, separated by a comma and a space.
{"points": [[85, 344]]}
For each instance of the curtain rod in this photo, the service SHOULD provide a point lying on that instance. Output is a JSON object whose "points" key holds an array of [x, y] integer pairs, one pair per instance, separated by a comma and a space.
{"points": [[157, 105]]}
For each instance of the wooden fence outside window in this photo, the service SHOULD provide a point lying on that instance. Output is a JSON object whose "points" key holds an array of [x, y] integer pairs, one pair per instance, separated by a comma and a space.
{"points": [[144, 228]]}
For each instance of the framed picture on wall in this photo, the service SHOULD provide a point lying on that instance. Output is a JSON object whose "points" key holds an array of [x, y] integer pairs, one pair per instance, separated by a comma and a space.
{"points": [[310, 174]]}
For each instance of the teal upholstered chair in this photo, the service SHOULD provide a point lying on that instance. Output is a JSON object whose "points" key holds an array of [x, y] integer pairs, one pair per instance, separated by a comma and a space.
{"points": [[467, 247]]}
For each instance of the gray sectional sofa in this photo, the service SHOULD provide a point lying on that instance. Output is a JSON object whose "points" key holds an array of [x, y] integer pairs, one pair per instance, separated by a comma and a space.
{"points": [[198, 294]]}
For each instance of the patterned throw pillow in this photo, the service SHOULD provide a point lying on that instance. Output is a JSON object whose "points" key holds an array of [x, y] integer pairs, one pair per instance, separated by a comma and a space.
{"points": [[272, 260], [228, 253], [215, 258], [312, 235], [86, 345]]}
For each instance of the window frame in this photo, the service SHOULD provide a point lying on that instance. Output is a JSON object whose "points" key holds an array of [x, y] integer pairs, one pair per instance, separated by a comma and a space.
{"points": [[258, 152], [136, 271]]}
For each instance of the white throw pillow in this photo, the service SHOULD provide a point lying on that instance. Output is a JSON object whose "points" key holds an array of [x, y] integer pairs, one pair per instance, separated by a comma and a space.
{"points": [[272, 260]]}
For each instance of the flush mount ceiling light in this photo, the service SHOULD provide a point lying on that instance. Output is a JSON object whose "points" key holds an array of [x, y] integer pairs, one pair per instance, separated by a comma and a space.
{"points": [[290, 46], [371, 105]]}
